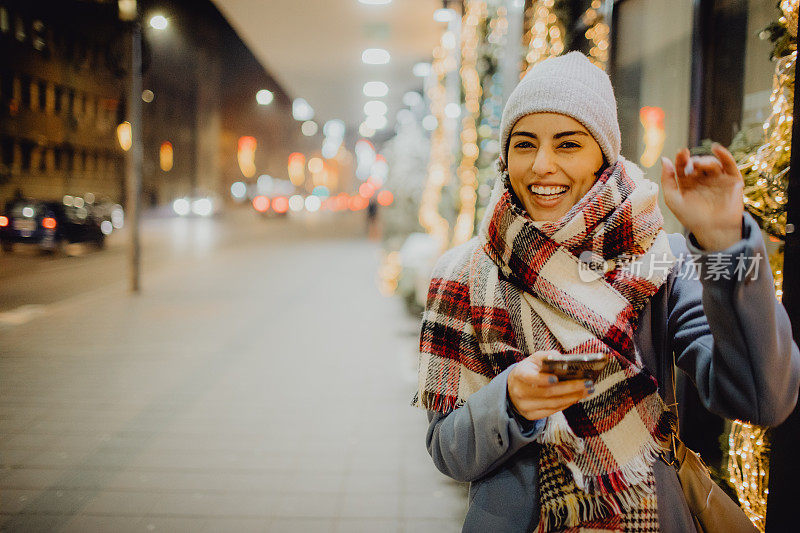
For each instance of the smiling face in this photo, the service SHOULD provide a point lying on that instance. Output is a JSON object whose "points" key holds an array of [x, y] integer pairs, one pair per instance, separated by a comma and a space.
{"points": [[552, 163]]}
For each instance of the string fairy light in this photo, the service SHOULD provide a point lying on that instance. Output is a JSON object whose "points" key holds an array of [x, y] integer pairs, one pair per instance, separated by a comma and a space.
{"points": [[766, 173], [748, 470], [467, 172], [440, 155], [545, 37], [597, 33], [766, 169]]}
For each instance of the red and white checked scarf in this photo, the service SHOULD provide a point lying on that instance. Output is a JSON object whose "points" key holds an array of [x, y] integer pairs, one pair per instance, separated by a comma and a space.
{"points": [[576, 285]]}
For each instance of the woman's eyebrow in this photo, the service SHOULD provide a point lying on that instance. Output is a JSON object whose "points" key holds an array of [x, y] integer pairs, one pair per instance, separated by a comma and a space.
{"points": [[568, 133], [556, 136]]}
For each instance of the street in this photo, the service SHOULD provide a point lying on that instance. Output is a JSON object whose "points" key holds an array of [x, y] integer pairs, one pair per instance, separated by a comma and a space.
{"points": [[260, 382]]}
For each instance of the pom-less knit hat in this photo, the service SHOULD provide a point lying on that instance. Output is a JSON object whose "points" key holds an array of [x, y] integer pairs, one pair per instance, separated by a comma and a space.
{"points": [[570, 85]]}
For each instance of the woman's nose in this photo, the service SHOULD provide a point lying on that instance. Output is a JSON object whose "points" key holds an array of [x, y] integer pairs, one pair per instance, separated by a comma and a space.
{"points": [[543, 164]]}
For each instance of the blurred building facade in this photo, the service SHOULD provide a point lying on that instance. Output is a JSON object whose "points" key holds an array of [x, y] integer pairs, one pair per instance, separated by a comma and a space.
{"points": [[62, 95]]}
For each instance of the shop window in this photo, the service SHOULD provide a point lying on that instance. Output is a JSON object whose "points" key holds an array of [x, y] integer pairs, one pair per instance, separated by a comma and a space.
{"points": [[651, 74], [758, 68]]}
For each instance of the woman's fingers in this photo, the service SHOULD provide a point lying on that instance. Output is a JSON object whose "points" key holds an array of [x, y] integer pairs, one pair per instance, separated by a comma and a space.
{"points": [[540, 409], [681, 158], [727, 160], [669, 181], [565, 388], [706, 164]]}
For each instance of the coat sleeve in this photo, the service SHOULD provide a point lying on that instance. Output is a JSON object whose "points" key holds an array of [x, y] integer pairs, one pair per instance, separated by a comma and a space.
{"points": [[471, 441], [730, 334]]}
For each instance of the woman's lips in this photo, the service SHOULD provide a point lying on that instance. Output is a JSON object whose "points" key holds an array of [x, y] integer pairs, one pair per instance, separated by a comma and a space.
{"points": [[547, 196]]}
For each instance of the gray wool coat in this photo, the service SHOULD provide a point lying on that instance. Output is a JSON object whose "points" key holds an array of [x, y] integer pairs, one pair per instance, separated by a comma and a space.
{"points": [[730, 336]]}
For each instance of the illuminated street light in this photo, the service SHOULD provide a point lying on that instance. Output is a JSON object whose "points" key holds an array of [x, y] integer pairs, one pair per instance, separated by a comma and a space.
{"points": [[301, 110], [309, 128], [365, 131], [125, 135], [375, 107], [264, 97], [375, 89], [421, 70], [159, 22], [376, 122], [412, 98], [452, 110], [444, 15], [375, 56]]}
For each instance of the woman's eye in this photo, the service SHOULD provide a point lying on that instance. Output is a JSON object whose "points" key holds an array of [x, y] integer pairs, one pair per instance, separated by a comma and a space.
{"points": [[524, 144], [570, 144]]}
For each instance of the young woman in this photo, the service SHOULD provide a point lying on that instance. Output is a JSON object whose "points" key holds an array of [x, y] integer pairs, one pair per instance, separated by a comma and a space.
{"points": [[572, 258]]}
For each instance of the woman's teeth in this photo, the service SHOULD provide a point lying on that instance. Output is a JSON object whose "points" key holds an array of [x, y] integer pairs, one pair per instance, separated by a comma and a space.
{"points": [[547, 191]]}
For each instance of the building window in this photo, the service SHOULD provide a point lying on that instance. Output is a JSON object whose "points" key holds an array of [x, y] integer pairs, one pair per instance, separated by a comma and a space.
{"points": [[41, 87], [69, 101], [6, 86], [7, 153], [26, 152], [25, 89], [50, 160], [19, 29], [38, 36], [5, 21], [58, 99]]}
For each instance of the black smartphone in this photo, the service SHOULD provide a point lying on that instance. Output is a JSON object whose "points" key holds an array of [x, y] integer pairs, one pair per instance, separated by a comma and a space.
{"points": [[575, 366]]}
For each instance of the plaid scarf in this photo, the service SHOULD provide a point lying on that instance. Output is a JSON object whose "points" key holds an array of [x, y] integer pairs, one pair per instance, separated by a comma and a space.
{"points": [[575, 285]]}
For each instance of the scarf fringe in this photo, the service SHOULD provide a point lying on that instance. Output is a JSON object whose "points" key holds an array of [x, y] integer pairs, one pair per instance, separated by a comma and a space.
{"points": [[557, 433], [572, 510]]}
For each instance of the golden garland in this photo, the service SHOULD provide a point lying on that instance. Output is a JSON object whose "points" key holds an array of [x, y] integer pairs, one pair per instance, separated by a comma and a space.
{"points": [[545, 37], [766, 169], [597, 33], [439, 165], [766, 172], [474, 15]]}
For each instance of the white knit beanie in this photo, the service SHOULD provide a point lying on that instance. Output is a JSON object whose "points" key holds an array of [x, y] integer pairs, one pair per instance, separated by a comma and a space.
{"points": [[570, 85]]}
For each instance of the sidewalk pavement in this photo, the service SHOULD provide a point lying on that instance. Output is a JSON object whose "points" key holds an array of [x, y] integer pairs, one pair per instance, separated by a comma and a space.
{"points": [[265, 387]]}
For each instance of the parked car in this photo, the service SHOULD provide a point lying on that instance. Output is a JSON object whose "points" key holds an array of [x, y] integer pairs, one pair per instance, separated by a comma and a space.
{"points": [[47, 224]]}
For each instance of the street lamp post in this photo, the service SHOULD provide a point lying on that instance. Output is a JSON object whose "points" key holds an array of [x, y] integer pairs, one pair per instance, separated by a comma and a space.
{"points": [[133, 176]]}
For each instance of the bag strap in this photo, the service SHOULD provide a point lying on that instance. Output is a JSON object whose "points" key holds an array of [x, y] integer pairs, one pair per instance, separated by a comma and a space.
{"points": [[673, 459]]}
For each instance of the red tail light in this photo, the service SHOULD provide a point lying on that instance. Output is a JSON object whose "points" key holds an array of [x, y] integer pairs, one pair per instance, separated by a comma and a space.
{"points": [[3, 222], [49, 223]]}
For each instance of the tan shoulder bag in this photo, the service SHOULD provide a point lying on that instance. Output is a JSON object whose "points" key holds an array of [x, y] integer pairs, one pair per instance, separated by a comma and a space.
{"points": [[713, 511]]}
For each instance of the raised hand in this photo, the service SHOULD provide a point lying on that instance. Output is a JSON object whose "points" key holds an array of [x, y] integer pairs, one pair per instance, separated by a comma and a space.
{"points": [[708, 199]]}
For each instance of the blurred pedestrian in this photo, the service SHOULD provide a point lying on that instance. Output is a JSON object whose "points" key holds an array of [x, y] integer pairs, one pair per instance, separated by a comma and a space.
{"points": [[572, 258], [373, 229]]}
